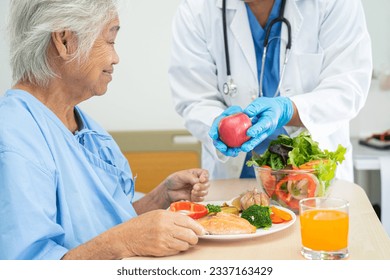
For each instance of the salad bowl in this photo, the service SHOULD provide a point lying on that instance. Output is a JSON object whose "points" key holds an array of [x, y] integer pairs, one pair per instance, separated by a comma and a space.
{"points": [[287, 187], [295, 168]]}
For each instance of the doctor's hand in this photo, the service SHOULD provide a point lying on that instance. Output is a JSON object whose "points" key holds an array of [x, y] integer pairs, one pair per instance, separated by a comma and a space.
{"points": [[267, 115], [213, 133]]}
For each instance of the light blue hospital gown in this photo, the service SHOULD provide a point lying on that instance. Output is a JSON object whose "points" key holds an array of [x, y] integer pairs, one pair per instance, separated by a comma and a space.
{"points": [[57, 190]]}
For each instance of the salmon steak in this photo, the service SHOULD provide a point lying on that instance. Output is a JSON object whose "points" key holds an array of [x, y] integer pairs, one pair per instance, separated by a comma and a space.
{"points": [[225, 223]]}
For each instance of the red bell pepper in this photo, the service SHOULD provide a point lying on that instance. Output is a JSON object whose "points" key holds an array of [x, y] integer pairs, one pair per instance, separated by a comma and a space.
{"points": [[193, 210]]}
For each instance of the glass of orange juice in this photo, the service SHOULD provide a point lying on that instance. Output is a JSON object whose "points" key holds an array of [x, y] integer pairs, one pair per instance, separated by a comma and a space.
{"points": [[324, 228]]}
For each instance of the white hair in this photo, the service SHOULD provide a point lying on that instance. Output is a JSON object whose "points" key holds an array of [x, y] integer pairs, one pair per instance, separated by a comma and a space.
{"points": [[32, 22]]}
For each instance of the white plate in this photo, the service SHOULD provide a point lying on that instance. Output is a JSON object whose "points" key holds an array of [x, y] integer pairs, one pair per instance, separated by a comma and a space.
{"points": [[259, 232]]}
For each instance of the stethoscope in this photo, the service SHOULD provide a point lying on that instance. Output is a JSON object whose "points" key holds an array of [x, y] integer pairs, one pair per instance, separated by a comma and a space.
{"points": [[229, 87]]}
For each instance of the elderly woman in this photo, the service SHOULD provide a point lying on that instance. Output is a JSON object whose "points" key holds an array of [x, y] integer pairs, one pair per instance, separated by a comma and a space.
{"points": [[65, 188]]}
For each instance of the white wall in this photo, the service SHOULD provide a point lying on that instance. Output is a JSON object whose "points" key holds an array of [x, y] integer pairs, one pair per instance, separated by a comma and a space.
{"points": [[139, 98], [374, 117]]}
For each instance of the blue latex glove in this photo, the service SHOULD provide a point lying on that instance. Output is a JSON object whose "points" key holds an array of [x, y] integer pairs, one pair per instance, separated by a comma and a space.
{"points": [[267, 115], [213, 133]]}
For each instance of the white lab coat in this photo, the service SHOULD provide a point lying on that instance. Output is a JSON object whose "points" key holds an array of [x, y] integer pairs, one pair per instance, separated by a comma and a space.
{"points": [[327, 76]]}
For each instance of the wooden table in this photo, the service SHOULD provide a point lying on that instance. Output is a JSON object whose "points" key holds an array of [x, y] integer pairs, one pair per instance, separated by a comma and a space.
{"points": [[367, 237]]}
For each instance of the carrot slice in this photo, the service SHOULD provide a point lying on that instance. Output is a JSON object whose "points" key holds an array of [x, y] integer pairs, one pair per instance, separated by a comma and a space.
{"points": [[285, 216], [276, 219]]}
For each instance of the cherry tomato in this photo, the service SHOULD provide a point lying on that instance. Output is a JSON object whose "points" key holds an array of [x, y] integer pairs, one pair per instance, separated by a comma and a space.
{"points": [[193, 210]]}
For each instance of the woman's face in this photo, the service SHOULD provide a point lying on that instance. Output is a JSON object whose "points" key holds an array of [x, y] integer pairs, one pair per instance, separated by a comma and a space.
{"points": [[96, 72]]}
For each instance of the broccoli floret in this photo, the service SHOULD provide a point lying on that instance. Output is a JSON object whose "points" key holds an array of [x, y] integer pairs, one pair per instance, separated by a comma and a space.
{"points": [[213, 208], [258, 215]]}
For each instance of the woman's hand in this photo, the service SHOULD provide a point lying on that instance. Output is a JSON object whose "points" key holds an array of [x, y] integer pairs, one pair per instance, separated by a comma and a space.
{"points": [[155, 233], [159, 233], [191, 184]]}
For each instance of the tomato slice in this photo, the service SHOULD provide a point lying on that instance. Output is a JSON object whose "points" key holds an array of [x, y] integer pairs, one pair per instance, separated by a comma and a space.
{"points": [[294, 187], [268, 180], [193, 210]]}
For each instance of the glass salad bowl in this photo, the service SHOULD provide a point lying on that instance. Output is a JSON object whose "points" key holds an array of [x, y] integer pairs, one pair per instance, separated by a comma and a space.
{"points": [[293, 168], [287, 186]]}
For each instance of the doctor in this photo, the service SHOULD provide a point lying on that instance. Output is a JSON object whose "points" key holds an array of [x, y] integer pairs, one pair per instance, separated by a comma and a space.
{"points": [[315, 75]]}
